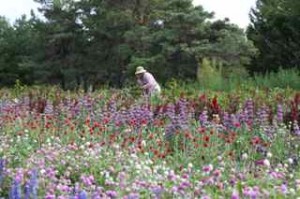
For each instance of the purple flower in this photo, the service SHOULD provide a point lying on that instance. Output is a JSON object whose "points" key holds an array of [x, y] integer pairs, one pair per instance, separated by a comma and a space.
{"points": [[234, 123], [249, 111], [263, 116], [97, 193], [32, 186], [87, 180], [251, 192], [19, 175], [226, 120], [157, 191], [235, 195], [15, 190], [62, 197], [184, 185], [284, 189], [111, 194], [207, 168], [203, 118], [50, 196], [82, 195], [279, 113], [175, 189], [132, 196], [296, 128], [2, 167]]}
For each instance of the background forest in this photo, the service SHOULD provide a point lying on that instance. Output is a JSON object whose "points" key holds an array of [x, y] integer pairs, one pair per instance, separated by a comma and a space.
{"points": [[100, 42]]}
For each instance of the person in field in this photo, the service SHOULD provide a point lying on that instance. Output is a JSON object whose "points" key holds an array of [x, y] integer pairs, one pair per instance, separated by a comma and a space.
{"points": [[147, 82]]}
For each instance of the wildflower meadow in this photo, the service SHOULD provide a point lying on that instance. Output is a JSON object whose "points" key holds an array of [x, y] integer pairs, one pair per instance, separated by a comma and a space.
{"points": [[112, 144]]}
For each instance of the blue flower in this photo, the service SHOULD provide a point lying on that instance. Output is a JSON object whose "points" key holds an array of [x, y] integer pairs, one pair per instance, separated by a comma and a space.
{"points": [[82, 195], [31, 186], [2, 166], [15, 190]]}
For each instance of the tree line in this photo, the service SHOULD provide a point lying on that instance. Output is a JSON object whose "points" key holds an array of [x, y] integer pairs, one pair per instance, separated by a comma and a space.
{"points": [[100, 42]]}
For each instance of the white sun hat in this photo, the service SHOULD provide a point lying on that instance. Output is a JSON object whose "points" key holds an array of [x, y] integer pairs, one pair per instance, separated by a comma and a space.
{"points": [[139, 70]]}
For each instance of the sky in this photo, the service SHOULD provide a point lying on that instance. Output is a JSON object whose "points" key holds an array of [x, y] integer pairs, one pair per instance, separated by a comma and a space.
{"points": [[236, 10]]}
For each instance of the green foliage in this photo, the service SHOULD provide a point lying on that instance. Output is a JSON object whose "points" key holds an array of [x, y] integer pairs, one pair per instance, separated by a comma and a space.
{"points": [[209, 74], [289, 78], [274, 31], [18, 89], [93, 43]]}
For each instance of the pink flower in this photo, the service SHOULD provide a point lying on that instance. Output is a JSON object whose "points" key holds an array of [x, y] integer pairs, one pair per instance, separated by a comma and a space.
{"points": [[217, 173], [284, 189], [208, 168], [235, 195]]}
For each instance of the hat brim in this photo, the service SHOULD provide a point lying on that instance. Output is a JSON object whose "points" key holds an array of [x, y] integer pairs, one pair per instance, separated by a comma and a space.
{"points": [[139, 72]]}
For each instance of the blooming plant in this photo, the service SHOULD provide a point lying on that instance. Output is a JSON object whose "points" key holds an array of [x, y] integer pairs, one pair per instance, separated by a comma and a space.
{"points": [[103, 145]]}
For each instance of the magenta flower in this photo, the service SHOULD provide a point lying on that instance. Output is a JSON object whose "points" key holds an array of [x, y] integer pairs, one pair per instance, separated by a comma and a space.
{"points": [[50, 196], [235, 195], [111, 194], [208, 168]]}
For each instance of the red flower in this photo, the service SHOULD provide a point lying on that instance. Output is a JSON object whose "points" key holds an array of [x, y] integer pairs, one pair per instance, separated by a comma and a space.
{"points": [[106, 120], [202, 97], [206, 138], [255, 140], [214, 105], [201, 130], [144, 122], [87, 121]]}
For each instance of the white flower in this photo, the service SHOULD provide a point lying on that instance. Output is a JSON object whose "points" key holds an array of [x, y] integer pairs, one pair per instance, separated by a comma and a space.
{"points": [[138, 166], [269, 155], [143, 143], [127, 189], [244, 156], [190, 165], [267, 163], [134, 156], [292, 191], [290, 160], [128, 130]]}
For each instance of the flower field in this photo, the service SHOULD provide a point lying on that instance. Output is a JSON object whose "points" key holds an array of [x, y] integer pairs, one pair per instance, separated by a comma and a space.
{"points": [[110, 144]]}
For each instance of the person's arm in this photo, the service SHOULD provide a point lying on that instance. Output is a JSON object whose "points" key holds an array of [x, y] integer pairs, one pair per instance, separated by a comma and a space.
{"points": [[140, 82], [150, 80]]}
